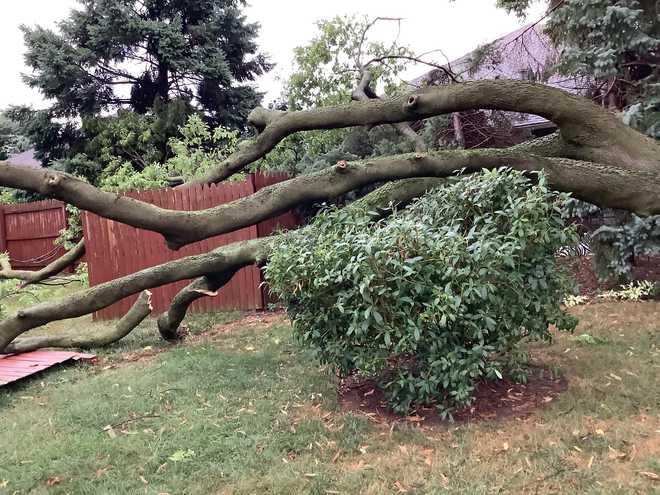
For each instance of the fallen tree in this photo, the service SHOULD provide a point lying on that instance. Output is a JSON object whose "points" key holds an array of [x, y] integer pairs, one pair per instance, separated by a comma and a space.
{"points": [[593, 155], [125, 325]]}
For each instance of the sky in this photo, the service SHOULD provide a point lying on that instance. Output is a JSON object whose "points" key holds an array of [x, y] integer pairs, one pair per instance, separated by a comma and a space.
{"points": [[454, 27]]}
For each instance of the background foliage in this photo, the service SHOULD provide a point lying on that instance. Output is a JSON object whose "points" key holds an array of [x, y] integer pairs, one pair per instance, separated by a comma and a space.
{"points": [[126, 53]]}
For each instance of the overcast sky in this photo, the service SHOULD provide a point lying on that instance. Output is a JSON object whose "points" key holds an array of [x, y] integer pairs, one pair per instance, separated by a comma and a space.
{"points": [[455, 27]]}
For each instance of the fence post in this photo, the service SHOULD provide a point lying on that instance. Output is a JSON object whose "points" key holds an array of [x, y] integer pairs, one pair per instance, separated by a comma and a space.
{"points": [[3, 230]]}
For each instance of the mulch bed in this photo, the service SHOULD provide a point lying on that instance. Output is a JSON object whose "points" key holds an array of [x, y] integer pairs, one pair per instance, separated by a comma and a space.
{"points": [[646, 268], [494, 400]]}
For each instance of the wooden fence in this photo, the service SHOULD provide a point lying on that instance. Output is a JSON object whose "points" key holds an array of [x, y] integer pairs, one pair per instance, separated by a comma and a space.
{"points": [[115, 249], [28, 232]]}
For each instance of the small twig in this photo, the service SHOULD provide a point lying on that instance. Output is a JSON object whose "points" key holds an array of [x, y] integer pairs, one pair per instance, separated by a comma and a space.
{"points": [[138, 418], [62, 282]]}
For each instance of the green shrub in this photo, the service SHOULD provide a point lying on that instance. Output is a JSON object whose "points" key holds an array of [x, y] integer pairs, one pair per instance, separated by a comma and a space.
{"points": [[435, 297]]}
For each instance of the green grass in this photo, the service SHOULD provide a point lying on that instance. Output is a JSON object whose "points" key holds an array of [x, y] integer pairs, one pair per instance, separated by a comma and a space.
{"points": [[146, 334], [248, 412]]}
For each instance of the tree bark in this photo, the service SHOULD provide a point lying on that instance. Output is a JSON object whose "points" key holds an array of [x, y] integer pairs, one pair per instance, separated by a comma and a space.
{"points": [[636, 190], [363, 92], [594, 156], [208, 285], [458, 129], [221, 263], [138, 312], [52, 269], [588, 132], [87, 301]]}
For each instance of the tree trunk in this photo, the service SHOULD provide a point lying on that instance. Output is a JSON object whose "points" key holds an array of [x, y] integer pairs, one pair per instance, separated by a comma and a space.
{"points": [[458, 129]]}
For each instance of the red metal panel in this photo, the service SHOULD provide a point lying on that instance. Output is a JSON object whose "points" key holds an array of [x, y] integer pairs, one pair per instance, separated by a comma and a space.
{"points": [[13, 367]]}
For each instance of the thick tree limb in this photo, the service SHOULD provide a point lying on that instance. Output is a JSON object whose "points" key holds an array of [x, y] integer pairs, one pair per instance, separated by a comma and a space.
{"points": [[208, 285], [33, 277], [379, 201], [363, 92], [590, 132], [609, 186], [86, 301], [222, 263], [138, 312]]}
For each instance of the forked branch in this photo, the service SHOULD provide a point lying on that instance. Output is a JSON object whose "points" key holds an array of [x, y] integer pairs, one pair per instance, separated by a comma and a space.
{"points": [[589, 132], [636, 190], [208, 285], [86, 301], [136, 315]]}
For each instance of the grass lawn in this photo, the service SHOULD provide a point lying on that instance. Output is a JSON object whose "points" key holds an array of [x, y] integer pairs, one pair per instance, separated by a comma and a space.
{"points": [[241, 409]]}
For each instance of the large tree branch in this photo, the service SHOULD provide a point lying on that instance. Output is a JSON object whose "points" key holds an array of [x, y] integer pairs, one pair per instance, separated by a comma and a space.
{"points": [[138, 312], [53, 268], [208, 285], [591, 132], [585, 179], [605, 185], [363, 92], [86, 301], [216, 268]]}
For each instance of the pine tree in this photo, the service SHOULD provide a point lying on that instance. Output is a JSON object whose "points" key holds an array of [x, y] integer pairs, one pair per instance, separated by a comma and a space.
{"points": [[111, 54]]}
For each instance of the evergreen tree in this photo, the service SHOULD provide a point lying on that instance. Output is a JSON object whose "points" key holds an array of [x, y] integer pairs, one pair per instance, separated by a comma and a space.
{"points": [[111, 54], [616, 44]]}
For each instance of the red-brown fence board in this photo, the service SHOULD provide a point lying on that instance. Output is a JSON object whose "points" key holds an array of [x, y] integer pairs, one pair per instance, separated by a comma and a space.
{"points": [[116, 249], [287, 221], [28, 232]]}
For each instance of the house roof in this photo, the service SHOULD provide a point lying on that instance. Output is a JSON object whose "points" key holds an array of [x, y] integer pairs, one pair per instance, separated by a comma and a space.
{"points": [[24, 159], [524, 54]]}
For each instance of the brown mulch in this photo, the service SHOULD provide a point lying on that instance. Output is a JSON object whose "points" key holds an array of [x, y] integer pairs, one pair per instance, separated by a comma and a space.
{"points": [[646, 268], [258, 319], [494, 400]]}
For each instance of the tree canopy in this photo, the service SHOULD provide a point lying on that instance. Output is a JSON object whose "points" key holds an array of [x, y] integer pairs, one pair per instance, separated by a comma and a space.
{"points": [[112, 54]]}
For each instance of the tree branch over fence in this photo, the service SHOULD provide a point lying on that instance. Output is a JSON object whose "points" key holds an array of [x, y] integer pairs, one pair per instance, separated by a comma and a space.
{"points": [[33, 277], [594, 156], [215, 268], [179, 228], [582, 123], [588, 133]]}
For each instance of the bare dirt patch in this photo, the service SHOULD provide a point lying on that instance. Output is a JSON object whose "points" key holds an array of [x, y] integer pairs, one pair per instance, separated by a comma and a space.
{"points": [[494, 400], [256, 320]]}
